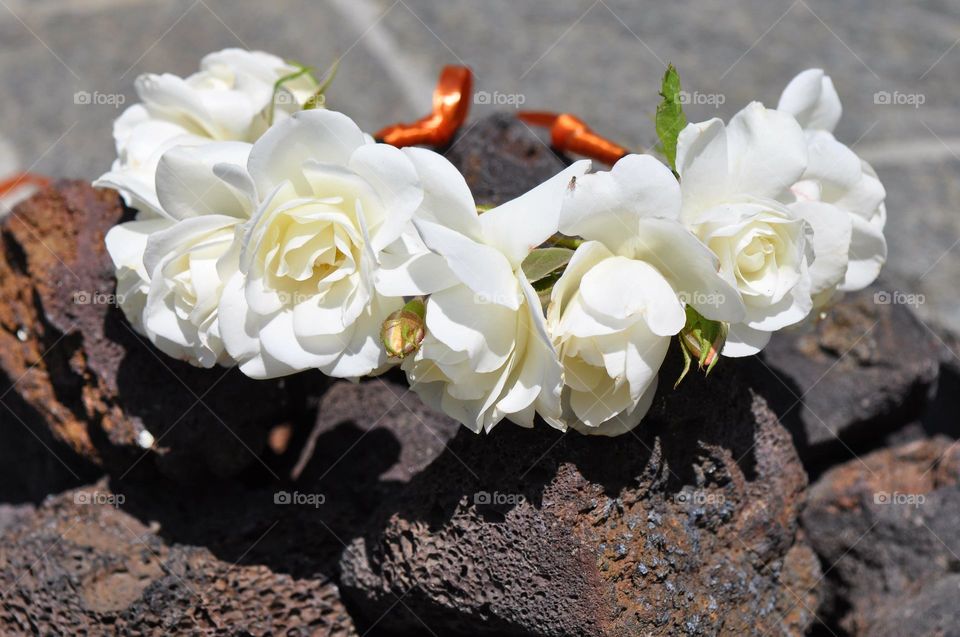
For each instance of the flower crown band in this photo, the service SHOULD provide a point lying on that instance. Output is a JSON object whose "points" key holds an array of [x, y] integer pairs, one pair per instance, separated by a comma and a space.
{"points": [[274, 234]]}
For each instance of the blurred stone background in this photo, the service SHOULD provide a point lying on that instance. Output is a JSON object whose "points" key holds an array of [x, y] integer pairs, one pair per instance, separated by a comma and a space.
{"points": [[601, 59]]}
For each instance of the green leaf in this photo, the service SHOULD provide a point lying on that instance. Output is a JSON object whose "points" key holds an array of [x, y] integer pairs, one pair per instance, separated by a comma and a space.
{"points": [[544, 262], [686, 363], [670, 119], [562, 241]]}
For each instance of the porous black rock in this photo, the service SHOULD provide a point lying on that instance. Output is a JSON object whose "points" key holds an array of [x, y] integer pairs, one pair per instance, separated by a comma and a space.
{"points": [[501, 158], [885, 524], [686, 525], [842, 382]]}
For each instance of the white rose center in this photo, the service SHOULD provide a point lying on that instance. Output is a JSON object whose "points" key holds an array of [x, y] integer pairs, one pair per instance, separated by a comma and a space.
{"points": [[311, 243]]}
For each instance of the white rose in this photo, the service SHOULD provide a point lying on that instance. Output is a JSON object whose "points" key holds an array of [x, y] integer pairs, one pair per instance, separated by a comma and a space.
{"points": [[487, 355], [838, 189], [620, 300], [126, 243], [171, 269], [732, 179], [333, 211], [229, 99]]}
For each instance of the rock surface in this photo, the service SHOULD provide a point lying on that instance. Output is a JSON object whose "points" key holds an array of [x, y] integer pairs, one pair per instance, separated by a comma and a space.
{"points": [[941, 416], [687, 527], [75, 367], [865, 369], [80, 565], [884, 526], [501, 158], [224, 558], [537, 533]]}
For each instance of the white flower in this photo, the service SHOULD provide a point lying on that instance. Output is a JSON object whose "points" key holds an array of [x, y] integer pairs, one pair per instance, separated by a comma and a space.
{"points": [[813, 101], [621, 297], [839, 194], [732, 180], [229, 99], [333, 209], [171, 268], [487, 354]]}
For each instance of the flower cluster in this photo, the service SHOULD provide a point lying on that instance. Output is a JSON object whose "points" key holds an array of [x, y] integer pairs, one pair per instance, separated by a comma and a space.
{"points": [[279, 237]]}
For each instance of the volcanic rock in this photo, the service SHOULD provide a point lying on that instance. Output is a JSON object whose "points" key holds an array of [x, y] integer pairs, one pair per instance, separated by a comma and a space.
{"points": [[220, 558], [885, 527], [868, 367], [501, 158], [81, 565], [686, 526], [689, 525]]}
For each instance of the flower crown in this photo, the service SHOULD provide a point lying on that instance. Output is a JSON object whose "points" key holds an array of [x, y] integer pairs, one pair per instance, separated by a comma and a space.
{"points": [[276, 235]]}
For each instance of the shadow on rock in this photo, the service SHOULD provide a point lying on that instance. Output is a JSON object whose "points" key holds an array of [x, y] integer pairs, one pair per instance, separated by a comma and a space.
{"points": [[690, 518]]}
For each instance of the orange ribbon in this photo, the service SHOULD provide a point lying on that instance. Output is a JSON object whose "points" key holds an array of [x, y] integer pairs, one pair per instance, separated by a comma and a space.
{"points": [[15, 181], [451, 103], [568, 133]]}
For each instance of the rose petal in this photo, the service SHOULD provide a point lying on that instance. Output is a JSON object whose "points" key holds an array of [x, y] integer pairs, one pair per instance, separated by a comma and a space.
{"points": [[868, 253], [606, 206], [812, 99], [187, 185], [482, 268], [520, 225], [623, 288], [320, 135], [767, 152]]}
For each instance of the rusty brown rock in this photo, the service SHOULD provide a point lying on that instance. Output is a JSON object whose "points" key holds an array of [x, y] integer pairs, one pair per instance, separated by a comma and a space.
{"points": [[161, 560], [688, 527], [80, 565], [69, 356], [885, 524]]}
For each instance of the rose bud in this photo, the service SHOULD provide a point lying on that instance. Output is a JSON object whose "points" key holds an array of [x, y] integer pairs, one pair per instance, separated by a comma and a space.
{"points": [[403, 330], [702, 340]]}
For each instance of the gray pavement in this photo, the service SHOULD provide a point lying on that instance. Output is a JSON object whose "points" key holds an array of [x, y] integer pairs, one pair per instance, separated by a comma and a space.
{"points": [[601, 59]]}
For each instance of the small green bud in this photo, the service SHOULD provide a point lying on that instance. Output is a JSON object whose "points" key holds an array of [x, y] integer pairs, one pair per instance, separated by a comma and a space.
{"points": [[701, 339], [403, 330]]}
